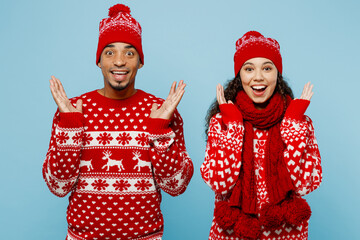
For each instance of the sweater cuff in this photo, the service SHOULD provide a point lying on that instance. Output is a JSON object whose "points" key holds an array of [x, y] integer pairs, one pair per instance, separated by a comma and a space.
{"points": [[297, 109], [230, 113], [71, 120], [157, 125]]}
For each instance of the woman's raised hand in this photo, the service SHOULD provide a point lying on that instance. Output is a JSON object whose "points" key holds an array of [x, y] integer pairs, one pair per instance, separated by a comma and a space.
{"points": [[307, 91], [220, 95], [59, 95]]}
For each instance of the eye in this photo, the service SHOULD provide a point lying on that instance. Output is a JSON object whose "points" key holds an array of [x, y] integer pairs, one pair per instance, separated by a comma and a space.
{"points": [[109, 53], [248, 69], [129, 53], [267, 68]]}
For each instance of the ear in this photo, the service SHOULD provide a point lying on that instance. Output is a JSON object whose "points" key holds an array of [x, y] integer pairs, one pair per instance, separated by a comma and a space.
{"points": [[140, 65], [98, 64]]}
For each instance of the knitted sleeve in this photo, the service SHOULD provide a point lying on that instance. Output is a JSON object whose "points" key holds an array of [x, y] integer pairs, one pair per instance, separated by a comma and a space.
{"points": [[221, 167], [61, 165], [302, 154], [172, 165]]}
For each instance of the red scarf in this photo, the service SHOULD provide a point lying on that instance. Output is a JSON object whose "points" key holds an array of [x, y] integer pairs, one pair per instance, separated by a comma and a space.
{"points": [[240, 213], [277, 177]]}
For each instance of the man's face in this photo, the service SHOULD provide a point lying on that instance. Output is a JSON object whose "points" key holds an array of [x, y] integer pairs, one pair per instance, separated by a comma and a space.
{"points": [[119, 63]]}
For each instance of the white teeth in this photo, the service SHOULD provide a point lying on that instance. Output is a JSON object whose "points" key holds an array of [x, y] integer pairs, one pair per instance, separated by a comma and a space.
{"points": [[121, 73], [258, 87]]}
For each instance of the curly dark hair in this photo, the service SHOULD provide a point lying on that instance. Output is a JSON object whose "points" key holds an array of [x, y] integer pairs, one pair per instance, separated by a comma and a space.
{"points": [[233, 86]]}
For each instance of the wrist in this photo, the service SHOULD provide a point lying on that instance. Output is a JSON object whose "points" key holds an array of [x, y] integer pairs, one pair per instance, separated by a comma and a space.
{"points": [[230, 113], [158, 124], [297, 109], [71, 119]]}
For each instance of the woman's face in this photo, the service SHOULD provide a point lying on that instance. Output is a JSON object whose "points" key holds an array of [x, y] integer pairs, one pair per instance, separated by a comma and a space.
{"points": [[258, 77]]}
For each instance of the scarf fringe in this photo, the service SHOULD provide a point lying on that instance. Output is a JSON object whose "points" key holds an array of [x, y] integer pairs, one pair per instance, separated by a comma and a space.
{"points": [[293, 210]]}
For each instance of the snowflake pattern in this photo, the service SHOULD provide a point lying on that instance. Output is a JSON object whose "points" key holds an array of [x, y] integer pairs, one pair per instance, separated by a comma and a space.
{"points": [[82, 184], [103, 132], [124, 138], [142, 139], [100, 184], [67, 187], [87, 138], [62, 137], [173, 183], [143, 185], [77, 138], [104, 138], [121, 185]]}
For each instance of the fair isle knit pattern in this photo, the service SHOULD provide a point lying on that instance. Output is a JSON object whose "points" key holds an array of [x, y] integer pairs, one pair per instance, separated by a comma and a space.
{"points": [[249, 40], [122, 20], [115, 160], [253, 44], [221, 167], [120, 26]]}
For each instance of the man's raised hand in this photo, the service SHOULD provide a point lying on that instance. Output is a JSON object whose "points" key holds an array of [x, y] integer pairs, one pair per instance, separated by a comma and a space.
{"points": [[169, 105], [59, 95]]}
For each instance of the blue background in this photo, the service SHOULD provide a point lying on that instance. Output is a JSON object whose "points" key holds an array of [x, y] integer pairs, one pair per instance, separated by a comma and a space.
{"points": [[190, 40]]}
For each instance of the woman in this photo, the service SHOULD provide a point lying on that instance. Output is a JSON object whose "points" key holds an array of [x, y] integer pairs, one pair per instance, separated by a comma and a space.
{"points": [[261, 154]]}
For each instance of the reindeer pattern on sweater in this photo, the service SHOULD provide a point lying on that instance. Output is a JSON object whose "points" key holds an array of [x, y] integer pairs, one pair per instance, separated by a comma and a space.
{"points": [[115, 160]]}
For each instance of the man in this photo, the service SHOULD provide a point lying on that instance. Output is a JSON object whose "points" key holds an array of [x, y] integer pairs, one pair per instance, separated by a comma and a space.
{"points": [[116, 147]]}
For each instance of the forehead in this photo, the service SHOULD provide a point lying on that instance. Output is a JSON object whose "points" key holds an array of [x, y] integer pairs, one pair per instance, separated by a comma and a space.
{"points": [[258, 60]]}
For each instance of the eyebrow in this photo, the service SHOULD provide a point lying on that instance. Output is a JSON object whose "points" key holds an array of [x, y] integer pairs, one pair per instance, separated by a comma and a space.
{"points": [[262, 64], [129, 46], [112, 45], [109, 46]]}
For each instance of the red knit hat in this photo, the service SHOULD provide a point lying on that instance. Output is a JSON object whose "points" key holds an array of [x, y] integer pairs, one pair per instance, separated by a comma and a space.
{"points": [[252, 45], [120, 26]]}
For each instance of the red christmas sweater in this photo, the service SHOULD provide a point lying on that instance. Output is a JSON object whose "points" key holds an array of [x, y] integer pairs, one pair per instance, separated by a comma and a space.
{"points": [[114, 160], [221, 169]]}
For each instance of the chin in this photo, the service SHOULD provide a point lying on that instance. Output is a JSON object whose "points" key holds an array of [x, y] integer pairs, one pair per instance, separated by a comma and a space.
{"points": [[262, 100], [259, 100], [119, 87]]}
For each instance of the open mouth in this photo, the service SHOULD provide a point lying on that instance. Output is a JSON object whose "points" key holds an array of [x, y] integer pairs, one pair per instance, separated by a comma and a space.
{"points": [[118, 72], [259, 89], [119, 75]]}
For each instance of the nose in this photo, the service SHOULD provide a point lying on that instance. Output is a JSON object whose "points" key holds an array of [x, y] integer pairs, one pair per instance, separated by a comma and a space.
{"points": [[258, 75], [119, 61]]}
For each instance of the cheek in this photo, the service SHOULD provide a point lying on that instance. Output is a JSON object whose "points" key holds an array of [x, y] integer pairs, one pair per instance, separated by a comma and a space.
{"points": [[247, 89], [272, 85], [243, 77], [106, 60], [245, 80]]}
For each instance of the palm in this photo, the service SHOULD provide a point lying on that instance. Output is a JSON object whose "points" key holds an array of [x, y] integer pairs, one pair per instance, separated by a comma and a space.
{"points": [[62, 101], [307, 92], [171, 102], [220, 97]]}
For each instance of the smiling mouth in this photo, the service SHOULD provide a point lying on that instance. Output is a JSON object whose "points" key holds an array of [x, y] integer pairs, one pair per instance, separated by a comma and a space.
{"points": [[119, 72], [259, 88], [119, 75]]}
